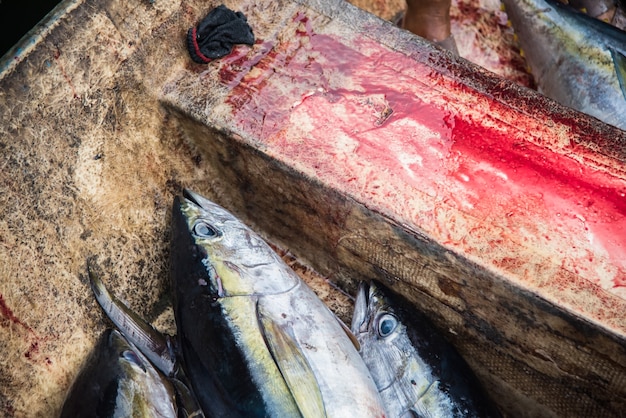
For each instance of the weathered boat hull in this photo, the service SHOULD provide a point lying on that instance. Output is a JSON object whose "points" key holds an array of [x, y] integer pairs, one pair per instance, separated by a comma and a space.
{"points": [[365, 151]]}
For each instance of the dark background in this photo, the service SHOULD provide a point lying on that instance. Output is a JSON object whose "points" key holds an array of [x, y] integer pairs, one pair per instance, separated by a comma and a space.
{"points": [[19, 16]]}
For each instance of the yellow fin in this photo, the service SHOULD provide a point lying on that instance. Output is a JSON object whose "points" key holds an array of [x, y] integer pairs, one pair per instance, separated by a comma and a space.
{"points": [[619, 60], [293, 366]]}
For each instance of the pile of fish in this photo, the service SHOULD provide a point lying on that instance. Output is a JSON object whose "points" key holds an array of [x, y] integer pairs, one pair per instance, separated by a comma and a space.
{"points": [[574, 58], [254, 340]]}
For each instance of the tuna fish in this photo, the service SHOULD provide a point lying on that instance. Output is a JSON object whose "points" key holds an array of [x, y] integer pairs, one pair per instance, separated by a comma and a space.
{"points": [[252, 332], [118, 381], [575, 59], [418, 373]]}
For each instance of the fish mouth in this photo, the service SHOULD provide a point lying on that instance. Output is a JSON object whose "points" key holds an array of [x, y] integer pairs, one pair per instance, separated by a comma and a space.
{"points": [[188, 199], [206, 206], [361, 309], [192, 197]]}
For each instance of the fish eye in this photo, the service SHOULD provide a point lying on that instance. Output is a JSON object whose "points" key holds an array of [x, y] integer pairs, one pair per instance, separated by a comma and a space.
{"points": [[387, 324], [132, 357], [204, 230]]}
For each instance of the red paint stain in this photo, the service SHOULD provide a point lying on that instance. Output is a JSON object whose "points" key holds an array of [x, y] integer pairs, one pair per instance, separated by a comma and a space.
{"points": [[300, 17], [238, 64], [57, 55], [8, 314], [430, 141], [33, 352], [7, 407]]}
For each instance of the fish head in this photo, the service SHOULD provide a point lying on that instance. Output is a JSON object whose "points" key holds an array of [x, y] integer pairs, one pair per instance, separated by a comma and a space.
{"points": [[402, 378], [139, 384], [128, 358], [380, 333], [416, 370], [373, 316], [215, 251], [117, 380], [116, 346], [217, 267]]}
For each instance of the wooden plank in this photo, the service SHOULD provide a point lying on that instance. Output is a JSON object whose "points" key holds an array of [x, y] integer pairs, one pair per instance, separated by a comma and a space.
{"points": [[371, 154]]}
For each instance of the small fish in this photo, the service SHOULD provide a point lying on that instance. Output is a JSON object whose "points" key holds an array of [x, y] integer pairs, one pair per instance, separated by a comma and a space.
{"points": [[255, 339], [418, 373], [575, 59], [159, 348], [118, 381]]}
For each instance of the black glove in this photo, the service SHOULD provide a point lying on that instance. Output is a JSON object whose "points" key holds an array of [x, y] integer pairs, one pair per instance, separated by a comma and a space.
{"points": [[216, 34]]}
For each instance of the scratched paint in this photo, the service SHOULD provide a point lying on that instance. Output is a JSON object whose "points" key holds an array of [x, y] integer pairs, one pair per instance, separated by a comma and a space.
{"points": [[385, 128]]}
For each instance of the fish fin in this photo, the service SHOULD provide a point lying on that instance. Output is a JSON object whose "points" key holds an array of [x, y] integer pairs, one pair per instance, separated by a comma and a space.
{"points": [[153, 344], [188, 407], [350, 334], [619, 60], [293, 366]]}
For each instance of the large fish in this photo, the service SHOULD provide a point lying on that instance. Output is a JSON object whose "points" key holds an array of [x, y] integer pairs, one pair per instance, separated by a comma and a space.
{"points": [[255, 339], [118, 381], [418, 373], [575, 59]]}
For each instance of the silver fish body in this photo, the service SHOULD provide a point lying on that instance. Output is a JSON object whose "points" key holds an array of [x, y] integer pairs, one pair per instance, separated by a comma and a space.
{"points": [[575, 59], [118, 381], [418, 373], [255, 339]]}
